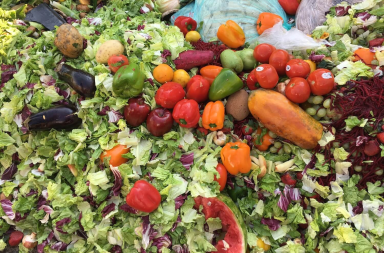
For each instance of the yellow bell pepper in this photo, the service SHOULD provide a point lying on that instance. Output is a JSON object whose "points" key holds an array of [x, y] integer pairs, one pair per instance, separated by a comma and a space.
{"points": [[231, 34]]}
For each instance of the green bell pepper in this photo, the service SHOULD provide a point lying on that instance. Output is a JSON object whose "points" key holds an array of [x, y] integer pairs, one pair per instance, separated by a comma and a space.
{"points": [[226, 83], [128, 81], [237, 192]]}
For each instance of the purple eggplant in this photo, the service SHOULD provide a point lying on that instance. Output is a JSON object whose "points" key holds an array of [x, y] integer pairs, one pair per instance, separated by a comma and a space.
{"points": [[81, 81], [59, 118]]}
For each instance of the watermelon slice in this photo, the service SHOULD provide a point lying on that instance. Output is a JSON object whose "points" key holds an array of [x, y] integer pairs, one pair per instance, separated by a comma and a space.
{"points": [[235, 240]]}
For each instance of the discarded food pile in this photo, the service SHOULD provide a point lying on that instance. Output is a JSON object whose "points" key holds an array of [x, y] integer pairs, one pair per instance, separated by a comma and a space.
{"points": [[122, 133]]}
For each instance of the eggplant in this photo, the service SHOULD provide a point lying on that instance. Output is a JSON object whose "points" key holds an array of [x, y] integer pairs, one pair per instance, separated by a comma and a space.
{"points": [[82, 82], [59, 118]]}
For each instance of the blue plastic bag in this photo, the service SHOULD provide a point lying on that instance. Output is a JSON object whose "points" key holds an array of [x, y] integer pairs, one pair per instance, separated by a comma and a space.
{"points": [[216, 12]]}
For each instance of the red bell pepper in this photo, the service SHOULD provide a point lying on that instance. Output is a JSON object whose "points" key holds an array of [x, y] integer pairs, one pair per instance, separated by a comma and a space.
{"points": [[185, 24], [186, 113], [143, 197]]}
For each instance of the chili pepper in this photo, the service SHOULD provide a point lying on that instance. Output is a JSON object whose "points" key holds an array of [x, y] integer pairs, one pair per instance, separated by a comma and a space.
{"points": [[143, 197], [185, 24], [225, 84], [236, 157], [287, 179], [186, 113], [231, 34], [128, 81], [213, 116], [210, 72]]}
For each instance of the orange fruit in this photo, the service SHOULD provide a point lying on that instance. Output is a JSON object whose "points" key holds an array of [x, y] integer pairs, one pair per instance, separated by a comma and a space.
{"points": [[163, 73], [181, 76]]}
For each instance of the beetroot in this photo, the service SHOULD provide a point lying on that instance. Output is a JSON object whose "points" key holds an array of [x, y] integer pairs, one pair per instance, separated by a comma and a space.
{"points": [[193, 58]]}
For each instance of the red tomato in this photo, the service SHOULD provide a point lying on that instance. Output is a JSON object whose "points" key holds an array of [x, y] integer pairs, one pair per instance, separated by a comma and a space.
{"points": [[15, 238], [267, 76], [252, 80], [116, 155], [262, 52], [279, 60], [117, 61], [169, 94], [290, 6], [223, 176], [297, 68], [198, 89], [321, 81], [298, 90]]}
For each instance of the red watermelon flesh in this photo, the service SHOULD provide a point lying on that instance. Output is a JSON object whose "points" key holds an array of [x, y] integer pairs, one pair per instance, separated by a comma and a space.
{"points": [[234, 237]]}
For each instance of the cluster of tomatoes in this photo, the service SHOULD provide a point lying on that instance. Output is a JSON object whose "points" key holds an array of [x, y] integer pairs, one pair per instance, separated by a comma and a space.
{"points": [[278, 63]]}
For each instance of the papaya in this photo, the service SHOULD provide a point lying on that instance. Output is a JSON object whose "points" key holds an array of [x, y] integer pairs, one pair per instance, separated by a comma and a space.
{"points": [[285, 118]]}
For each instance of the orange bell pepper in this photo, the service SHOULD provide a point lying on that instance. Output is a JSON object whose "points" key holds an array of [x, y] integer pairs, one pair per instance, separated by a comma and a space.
{"points": [[213, 116], [210, 72], [266, 20], [231, 34], [236, 157]]}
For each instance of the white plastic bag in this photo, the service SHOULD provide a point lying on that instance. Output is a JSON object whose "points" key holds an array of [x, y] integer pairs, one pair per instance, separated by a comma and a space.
{"points": [[293, 39], [311, 13], [216, 12]]}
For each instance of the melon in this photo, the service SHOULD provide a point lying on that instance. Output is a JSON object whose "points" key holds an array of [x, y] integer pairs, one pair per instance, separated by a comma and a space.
{"points": [[235, 240]]}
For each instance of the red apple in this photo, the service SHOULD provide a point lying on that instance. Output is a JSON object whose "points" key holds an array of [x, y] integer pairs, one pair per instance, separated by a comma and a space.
{"points": [[136, 112], [159, 122]]}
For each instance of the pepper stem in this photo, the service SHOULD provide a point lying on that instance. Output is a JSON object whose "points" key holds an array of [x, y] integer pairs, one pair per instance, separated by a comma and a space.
{"points": [[212, 125], [183, 121]]}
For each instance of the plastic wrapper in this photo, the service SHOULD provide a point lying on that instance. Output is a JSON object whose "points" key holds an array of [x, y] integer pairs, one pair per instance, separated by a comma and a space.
{"points": [[217, 12], [311, 13], [293, 39]]}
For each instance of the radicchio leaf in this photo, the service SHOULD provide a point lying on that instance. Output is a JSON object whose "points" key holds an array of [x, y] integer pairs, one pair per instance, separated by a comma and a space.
{"points": [[161, 242], [149, 233], [109, 208], [360, 140], [116, 249], [180, 249], [118, 181], [316, 58], [61, 223], [341, 10], [249, 183], [359, 208], [6, 204], [7, 72], [187, 160], [114, 116], [179, 201], [9, 173], [283, 203], [176, 224], [59, 246], [40, 247], [293, 194], [272, 224], [18, 217], [363, 15], [128, 209]]}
